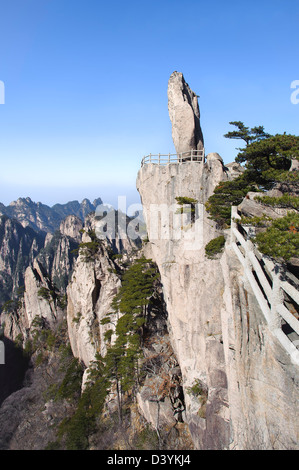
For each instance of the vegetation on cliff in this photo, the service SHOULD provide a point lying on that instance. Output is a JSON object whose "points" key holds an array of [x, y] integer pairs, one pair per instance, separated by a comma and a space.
{"points": [[214, 246], [114, 380], [123, 359], [267, 161]]}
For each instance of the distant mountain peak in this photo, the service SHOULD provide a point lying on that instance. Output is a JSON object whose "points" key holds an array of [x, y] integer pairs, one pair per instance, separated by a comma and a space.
{"points": [[39, 216]]}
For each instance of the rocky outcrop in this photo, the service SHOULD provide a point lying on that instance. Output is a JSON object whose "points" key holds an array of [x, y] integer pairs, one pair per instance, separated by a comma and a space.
{"points": [[250, 207], [94, 283], [192, 288], [39, 301], [90, 293], [35, 303], [184, 115], [263, 383], [18, 247], [30, 414], [60, 250], [93, 286], [71, 227], [240, 386], [294, 165], [41, 273], [234, 170], [160, 399]]}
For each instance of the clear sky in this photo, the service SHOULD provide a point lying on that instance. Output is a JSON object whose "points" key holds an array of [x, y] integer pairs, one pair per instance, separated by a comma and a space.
{"points": [[86, 86]]}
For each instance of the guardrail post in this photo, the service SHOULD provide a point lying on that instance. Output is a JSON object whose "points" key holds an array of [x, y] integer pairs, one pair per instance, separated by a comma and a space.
{"points": [[269, 297], [276, 298], [190, 155], [234, 215]]}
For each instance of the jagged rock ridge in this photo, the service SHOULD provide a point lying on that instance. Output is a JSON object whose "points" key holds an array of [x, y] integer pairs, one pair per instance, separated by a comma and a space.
{"points": [[42, 217]]}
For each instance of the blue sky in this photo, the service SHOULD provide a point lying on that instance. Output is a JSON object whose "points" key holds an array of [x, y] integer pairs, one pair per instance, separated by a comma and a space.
{"points": [[86, 86]]}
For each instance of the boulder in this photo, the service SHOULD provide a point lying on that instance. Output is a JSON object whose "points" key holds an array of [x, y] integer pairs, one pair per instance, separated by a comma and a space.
{"points": [[184, 115]]}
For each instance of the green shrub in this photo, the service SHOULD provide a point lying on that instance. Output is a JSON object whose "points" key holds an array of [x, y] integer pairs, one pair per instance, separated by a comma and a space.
{"points": [[146, 439], [39, 359], [45, 293], [226, 195], [187, 201], [214, 247], [77, 318], [200, 391], [75, 430], [281, 239], [71, 384], [90, 249]]}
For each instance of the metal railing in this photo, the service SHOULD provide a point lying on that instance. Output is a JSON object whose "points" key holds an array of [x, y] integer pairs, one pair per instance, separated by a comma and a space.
{"points": [[276, 290], [167, 159]]}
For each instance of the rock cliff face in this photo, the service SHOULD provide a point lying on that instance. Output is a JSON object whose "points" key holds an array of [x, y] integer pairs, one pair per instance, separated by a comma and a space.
{"points": [[263, 382], [193, 289], [209, 358], [71, 227], [94, 283], [240, 386], [184, 115], [44, 276], [90, 293], [23, 236], [42, 310], [18, 247], [58, 254]]}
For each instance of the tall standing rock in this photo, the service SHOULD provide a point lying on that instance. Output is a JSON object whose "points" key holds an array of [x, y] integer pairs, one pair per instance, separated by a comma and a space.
{"points": [[184, 115]]}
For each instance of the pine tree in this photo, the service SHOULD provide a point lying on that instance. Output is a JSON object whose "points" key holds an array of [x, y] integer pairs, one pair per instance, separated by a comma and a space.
{"points": [[123, 356], [267, 161], [245, 133]]}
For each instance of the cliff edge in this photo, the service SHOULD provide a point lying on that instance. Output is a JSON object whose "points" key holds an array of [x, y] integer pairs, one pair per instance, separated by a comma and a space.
{"points": [[240, 386]]}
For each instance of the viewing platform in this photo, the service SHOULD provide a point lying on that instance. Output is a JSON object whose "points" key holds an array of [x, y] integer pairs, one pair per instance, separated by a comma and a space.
{"points": [[197, 156]]}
